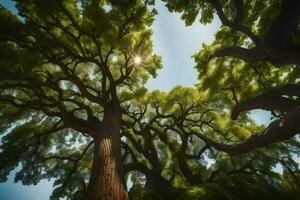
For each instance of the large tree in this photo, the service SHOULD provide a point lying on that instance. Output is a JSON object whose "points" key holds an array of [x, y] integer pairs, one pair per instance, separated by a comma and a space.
{"points": [[66, 68], [73, 108], [255, 57]]}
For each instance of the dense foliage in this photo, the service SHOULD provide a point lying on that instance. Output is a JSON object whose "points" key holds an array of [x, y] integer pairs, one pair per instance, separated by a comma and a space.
{"points": [[72, 101], [254, 58]]}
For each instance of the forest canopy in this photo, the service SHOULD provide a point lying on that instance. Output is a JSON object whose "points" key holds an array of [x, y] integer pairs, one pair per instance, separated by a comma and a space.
{"points": [[74, 106]]}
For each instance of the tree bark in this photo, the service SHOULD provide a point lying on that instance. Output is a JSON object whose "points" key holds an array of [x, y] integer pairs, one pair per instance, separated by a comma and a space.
{"points": [[107, 176]]}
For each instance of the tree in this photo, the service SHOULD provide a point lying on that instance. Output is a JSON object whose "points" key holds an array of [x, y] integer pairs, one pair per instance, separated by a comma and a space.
{"points": [[66, 68], [73, 107], [166, 155], [255, 58]]}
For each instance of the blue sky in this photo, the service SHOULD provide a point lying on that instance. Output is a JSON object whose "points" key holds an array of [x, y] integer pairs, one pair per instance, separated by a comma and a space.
{"points": [[176, 44]]}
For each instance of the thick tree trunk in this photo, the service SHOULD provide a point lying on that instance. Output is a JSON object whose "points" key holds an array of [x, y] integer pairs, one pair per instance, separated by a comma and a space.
{"points": [[107, 176]]}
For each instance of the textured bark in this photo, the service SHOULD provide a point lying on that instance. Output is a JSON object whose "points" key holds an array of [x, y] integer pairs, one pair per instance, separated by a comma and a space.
{"points": [[107, 176]]}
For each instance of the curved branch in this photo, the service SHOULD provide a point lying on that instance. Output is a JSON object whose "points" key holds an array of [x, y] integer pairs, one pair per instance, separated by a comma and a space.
{"points": [[271, 101], [277, 131], [265, 102], [136, 166], [248, 55]]}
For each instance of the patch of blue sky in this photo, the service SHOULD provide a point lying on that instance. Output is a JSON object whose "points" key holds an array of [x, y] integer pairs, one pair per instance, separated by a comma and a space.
{"points": [[176, 43], [17, 191]]}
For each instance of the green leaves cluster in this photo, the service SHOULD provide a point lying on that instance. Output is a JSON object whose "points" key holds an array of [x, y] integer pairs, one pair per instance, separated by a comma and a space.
{"points": [[62, 62]]}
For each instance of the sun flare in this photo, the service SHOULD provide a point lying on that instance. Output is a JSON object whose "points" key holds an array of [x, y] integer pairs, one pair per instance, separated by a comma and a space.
{"points": [[137, 60]]}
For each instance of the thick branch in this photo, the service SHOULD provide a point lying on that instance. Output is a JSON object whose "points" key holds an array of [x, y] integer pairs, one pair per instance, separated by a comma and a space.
{"points": [[265, 102], [248, 55], [280, 32], [273, 100], [277, 131]]}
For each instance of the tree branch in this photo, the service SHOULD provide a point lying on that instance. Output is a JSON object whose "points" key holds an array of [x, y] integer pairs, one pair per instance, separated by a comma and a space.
{"points": [[235, 25], [277, 131]]}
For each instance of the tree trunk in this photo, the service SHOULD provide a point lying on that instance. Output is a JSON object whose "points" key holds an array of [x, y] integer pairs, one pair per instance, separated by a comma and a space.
{"points": [[107, 176]]}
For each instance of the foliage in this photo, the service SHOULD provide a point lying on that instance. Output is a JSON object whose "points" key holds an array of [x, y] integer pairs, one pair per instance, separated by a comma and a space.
{"points": [[246, 67], [62, 63], [207, 191], [71, 64]]}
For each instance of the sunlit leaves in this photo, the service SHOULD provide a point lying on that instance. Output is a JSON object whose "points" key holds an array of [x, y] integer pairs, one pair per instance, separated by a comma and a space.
{"points": [[60, 59]]}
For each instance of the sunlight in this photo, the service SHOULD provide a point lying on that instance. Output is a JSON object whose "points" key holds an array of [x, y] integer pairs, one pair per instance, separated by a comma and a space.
{"points": [[137, 60]]}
